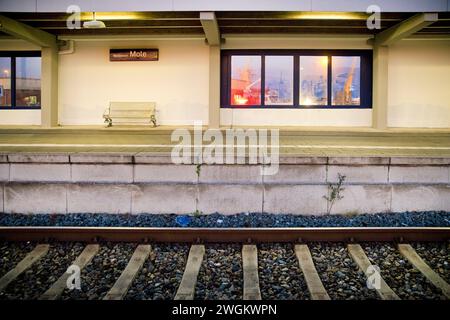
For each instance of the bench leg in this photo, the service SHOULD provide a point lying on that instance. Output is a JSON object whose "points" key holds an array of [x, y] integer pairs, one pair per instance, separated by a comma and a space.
{"points": [[153, 120], [108, 122]]}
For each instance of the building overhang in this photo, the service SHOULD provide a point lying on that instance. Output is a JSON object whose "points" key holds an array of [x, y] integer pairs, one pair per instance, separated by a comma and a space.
{"points": [[226, 24], [36, 6]]}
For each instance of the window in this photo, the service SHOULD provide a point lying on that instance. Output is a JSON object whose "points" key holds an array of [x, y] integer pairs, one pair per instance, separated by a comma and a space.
{"points": [[246, 80], [296, 79], [279, 77], [5, 81], [313, 80], [20, 80], [346, 82]]}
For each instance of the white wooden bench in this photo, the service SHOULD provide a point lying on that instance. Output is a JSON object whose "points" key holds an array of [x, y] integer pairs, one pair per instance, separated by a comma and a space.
{"points": [[130, 113]]}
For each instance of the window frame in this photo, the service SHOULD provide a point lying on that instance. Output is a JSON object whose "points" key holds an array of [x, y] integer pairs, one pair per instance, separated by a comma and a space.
{"points": [[13, 55], [366, 58]]}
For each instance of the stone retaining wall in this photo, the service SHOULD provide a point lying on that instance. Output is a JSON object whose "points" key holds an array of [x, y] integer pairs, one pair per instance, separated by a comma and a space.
{"points": [[150, 183]]}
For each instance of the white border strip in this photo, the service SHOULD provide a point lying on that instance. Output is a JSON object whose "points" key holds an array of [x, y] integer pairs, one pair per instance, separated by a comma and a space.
{"points": [[317, 146]]}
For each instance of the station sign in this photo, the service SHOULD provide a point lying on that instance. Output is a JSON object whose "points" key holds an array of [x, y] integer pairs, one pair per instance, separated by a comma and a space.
{"points": [[133, 54]]}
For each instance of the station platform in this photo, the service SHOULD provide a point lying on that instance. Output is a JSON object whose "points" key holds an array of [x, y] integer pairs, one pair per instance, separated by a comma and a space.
{"points": [[315, 141], [130, 171]]}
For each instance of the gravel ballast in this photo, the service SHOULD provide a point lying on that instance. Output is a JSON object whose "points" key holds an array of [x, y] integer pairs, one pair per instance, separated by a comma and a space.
{"points": [[406, 281], [31, 284], [243, 220], [11, 253], [280, 276], [161, 274], [437, 256], [340, 275], [220, 276], [99, 276]]}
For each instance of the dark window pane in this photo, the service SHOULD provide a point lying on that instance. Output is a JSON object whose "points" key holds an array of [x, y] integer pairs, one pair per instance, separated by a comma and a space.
{"points": [[245, 80], [279, 74], [28, 81], [346, 81], [5, 81], [313, 80]]}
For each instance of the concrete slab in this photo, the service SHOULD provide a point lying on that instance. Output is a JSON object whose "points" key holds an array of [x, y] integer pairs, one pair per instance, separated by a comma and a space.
{"points": [[419, 174], [153, 157], [34, 198], [105, 157], [99, 198], [358, 174], [420, 198], [4, 171], [2, 208], [363, 199], [420, 161], [165, 173], [302, 159], [101, 173], [295, 199], [174, 198], [230, 199], [3, 158], [39, 158], [38, 172], [239, 174], [358, 160], [291, 174]]}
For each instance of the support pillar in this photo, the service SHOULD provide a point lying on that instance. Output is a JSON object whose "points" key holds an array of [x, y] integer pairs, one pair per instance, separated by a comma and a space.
{"points": [[380, 87], [214, 87], [49, 87]]}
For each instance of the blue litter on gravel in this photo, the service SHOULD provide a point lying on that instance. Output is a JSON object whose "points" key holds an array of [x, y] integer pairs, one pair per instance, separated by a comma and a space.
{"points": [[183, 221]]}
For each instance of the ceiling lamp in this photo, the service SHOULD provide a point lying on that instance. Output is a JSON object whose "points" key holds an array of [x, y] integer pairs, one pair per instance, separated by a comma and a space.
{"points": [[94, 24]]}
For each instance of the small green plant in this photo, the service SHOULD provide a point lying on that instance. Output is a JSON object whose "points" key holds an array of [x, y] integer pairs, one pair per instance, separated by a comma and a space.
{"points": [[198, 169], [197, 213], [334, 192]]}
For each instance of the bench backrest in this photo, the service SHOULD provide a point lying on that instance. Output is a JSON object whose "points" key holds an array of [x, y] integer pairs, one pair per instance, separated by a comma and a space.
{"points": [[132, 109]]}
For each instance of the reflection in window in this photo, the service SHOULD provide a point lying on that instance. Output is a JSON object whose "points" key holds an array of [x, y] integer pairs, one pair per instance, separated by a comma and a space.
{"points": [[313, 80], [28, 81], [245, 80], [346, 81], [5, 81], [279, 75]]}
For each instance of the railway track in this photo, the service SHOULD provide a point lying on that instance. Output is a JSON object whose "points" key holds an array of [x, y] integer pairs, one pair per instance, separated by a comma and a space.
{"points": [[315, 263]]}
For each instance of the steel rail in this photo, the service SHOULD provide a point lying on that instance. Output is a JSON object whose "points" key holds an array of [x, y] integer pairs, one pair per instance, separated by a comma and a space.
{"points": [[211, 235]]}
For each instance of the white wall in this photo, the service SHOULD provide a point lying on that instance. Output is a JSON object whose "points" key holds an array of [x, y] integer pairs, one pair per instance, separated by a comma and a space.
{"points": [[419, 84], [296, 117], [178, 82], [20, 117]]}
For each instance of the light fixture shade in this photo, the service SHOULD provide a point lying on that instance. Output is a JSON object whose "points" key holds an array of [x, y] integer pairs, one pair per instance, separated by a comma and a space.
{"points": [[94, 24]]}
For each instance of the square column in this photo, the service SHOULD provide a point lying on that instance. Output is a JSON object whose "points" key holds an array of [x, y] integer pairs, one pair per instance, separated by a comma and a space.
{"points": [[380, 87], [49, 87], [214, 87]]}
